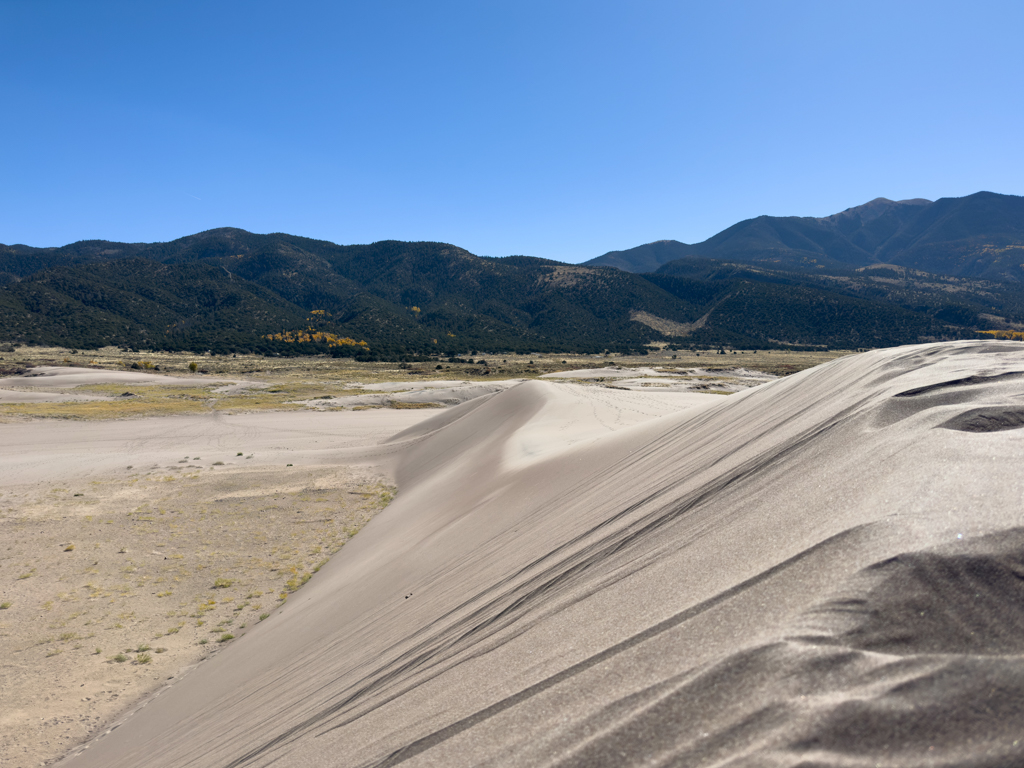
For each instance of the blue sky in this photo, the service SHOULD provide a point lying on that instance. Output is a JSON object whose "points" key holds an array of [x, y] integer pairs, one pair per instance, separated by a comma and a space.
{"points": [[554, 129]]}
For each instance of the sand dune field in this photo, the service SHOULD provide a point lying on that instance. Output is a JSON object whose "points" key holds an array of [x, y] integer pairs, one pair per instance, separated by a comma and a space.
{"points": [[822, 570], [135, 548]]}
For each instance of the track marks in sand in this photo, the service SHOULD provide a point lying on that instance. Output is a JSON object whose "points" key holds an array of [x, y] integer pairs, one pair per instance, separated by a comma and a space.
{"points": [[599, 556], [438, 737]]}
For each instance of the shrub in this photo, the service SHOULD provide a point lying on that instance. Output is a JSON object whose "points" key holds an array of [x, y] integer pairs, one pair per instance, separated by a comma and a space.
{"points": [[297, 581]]}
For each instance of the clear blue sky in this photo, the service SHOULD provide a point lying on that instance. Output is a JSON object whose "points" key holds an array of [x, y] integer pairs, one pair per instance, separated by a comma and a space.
{"points": [[554, 129]]}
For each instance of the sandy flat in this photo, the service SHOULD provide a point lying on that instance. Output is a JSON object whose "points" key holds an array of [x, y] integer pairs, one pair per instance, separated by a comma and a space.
{"points": [[33, 395], [56, 451], [442, 393], [609, 372], [823, 570], [65, 376], [402, 386], [52, 384], [669, 379]]}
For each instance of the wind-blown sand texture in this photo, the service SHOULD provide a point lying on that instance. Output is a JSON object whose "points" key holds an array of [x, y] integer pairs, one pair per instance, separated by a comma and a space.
{"points": [[824, 570]]}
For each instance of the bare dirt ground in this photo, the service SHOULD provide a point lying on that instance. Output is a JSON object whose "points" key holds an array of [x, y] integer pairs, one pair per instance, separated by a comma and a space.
{"points": [[111, 588]]}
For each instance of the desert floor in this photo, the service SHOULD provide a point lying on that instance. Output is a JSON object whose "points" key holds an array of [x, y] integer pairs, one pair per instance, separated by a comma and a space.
{"points": [[117, 576], [151, 517], [621, 568]]}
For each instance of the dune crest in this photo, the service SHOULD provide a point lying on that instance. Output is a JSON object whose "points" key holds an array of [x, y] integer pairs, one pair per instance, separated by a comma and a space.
{"points": [[731, 584]]}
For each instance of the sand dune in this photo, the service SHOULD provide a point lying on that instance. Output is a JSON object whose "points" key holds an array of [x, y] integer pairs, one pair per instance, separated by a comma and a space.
{"points": [[824, 570]]}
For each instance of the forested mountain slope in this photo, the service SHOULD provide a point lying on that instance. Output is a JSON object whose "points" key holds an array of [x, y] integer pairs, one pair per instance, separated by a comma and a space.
{"points": [[980, 236], [229, 288], [232, 290]]}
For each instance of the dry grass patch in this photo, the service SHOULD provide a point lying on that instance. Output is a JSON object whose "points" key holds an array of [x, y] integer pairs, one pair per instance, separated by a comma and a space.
{"points": [[129, 401], [398, 404], [150, 400], [189, 562]]}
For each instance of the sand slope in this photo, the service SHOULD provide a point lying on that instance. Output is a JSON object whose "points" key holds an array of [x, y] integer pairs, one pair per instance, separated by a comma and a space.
{"points": [[824, 570]]}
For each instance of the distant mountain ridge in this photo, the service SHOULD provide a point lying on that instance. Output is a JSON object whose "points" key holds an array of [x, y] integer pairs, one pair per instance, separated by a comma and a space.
{"points": [[978, 236], [229, 290]]}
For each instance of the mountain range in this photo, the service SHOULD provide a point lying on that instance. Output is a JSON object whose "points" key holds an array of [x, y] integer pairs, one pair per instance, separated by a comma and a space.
{"points": [[856, 279], [978, 236]]}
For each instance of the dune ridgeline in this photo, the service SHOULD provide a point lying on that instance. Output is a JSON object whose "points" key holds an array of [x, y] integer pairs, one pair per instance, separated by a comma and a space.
{"points": [[824, 570]]}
